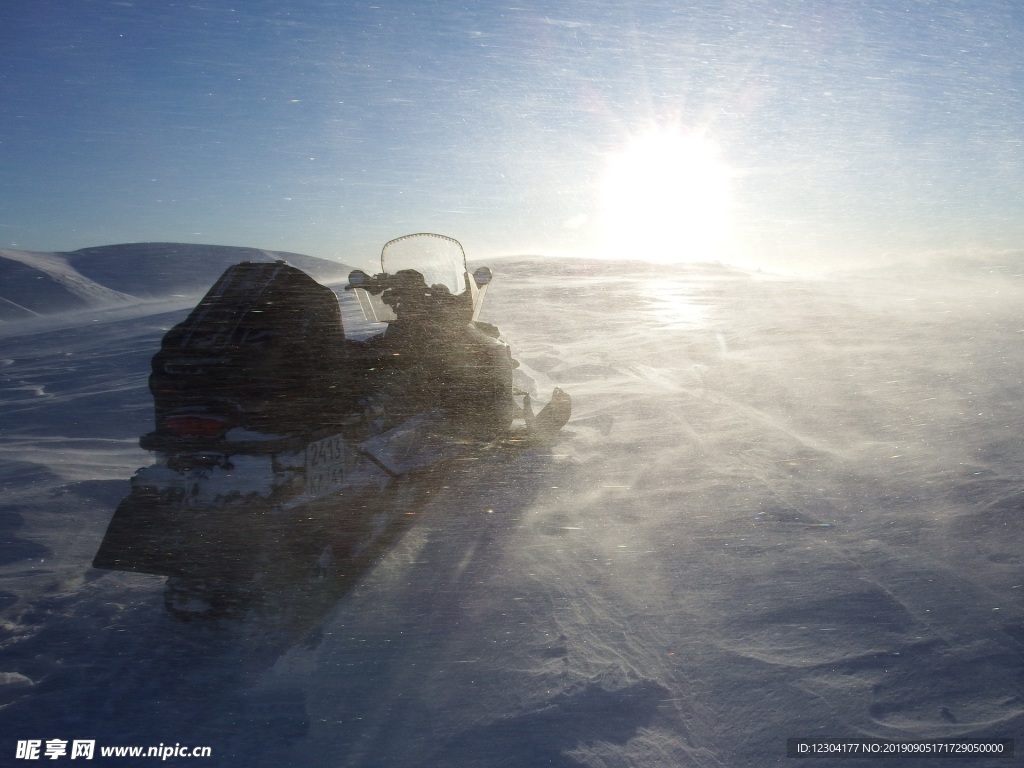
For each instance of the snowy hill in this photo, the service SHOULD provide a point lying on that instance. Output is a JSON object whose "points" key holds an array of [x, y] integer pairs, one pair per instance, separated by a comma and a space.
{"points": [[33, 283]]}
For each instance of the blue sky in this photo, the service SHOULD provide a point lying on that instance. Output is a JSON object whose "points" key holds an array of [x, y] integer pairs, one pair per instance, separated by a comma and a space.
{"points": [[849, 128]]}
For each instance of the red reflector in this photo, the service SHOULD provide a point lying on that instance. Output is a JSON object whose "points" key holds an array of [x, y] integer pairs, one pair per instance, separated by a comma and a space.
{"points": [[190, 425]]}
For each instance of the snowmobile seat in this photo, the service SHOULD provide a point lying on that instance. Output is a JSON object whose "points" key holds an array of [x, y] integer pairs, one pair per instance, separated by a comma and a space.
{"points": [[265, 349]]}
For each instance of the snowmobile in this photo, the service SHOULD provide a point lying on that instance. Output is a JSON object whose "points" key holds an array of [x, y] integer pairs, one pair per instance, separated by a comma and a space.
{"points": [[287, 451]]}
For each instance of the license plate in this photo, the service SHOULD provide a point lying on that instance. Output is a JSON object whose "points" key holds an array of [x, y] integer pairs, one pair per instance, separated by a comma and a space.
{"points": [[325, 465]]}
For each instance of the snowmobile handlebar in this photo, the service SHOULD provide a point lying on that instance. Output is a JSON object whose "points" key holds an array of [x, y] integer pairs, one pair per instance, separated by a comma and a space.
{"points": [[377, 284]]}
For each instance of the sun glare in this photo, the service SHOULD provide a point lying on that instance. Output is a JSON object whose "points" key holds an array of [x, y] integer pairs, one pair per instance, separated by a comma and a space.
{"points": [[664, 198]]}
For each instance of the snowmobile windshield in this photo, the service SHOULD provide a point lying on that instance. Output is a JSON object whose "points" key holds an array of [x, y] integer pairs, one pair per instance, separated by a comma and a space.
{"points": [[439, 259]]}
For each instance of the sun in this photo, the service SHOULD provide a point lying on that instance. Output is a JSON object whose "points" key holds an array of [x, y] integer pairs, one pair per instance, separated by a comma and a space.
{"points": [[664, 198]]}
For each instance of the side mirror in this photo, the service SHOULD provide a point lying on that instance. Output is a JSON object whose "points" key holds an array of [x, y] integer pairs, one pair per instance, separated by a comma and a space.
{"points": [[482, 277], [358, 279]]}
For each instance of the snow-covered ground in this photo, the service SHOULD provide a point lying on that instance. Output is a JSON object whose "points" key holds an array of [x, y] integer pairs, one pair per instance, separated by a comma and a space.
{"points": [[782, 508]]}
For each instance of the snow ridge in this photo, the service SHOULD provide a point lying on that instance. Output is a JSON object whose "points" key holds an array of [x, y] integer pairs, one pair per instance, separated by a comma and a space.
{"points": [[35, 283]]}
